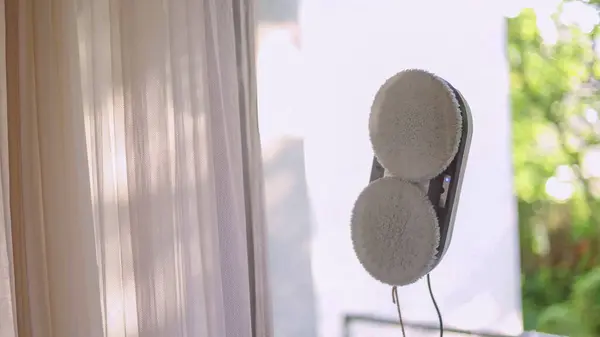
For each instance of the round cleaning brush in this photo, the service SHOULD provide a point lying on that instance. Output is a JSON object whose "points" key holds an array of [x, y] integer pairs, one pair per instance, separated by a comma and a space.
{"points": [[395, 231], [415, 125]]}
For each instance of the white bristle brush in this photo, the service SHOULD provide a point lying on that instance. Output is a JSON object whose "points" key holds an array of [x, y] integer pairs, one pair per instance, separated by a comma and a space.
{"points": [[420, 129], [415, 125], [395, 231]]}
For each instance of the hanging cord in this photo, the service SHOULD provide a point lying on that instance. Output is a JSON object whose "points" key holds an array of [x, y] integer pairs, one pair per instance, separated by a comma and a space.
{"points": [[397, 302], [437, 309]]}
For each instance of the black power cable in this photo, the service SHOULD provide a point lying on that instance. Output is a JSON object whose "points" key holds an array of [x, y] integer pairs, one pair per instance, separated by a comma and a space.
{"points": [[397, 302], [437, 309]]}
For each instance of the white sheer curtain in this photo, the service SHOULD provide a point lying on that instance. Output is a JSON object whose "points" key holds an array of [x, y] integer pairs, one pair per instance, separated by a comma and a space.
{"points": [[7, 322], [130, 143]]}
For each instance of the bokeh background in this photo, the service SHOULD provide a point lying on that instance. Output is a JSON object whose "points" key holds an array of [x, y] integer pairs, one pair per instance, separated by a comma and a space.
{"points": [[555, 69], [526, 248]]}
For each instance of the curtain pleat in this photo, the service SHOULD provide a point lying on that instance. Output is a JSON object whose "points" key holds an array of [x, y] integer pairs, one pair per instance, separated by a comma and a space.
{"points": [[7, 304], [135, 183]]}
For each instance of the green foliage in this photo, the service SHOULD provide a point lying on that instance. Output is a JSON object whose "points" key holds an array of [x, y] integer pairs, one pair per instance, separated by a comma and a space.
{"points": [[586, 302], [553, 86], [560, 319]]}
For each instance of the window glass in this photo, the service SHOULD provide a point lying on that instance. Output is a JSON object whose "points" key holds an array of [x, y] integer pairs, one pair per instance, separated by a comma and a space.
{"points": [[319, 64]]}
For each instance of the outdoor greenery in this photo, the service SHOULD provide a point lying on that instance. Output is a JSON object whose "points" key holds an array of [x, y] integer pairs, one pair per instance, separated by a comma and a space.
{"points": [[555, 93]]}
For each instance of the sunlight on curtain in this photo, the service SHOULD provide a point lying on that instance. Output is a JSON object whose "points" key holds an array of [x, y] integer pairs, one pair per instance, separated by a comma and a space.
{"points": [[133, 121], [7, 323]]}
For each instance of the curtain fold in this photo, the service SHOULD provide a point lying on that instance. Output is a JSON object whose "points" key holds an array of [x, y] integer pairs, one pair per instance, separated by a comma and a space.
{"points": [[133, 161], [7, 305]]}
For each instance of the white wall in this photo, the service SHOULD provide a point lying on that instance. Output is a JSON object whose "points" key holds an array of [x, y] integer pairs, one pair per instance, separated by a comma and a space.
{"points": [[320, 93]]}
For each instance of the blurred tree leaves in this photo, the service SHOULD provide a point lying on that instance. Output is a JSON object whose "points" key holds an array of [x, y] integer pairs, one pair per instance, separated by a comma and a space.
{"points": [[555, 99], [586, 302]]}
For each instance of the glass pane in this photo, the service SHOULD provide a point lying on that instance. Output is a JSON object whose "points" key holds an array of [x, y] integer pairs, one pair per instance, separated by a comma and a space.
{"points": [[319, 65]]}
